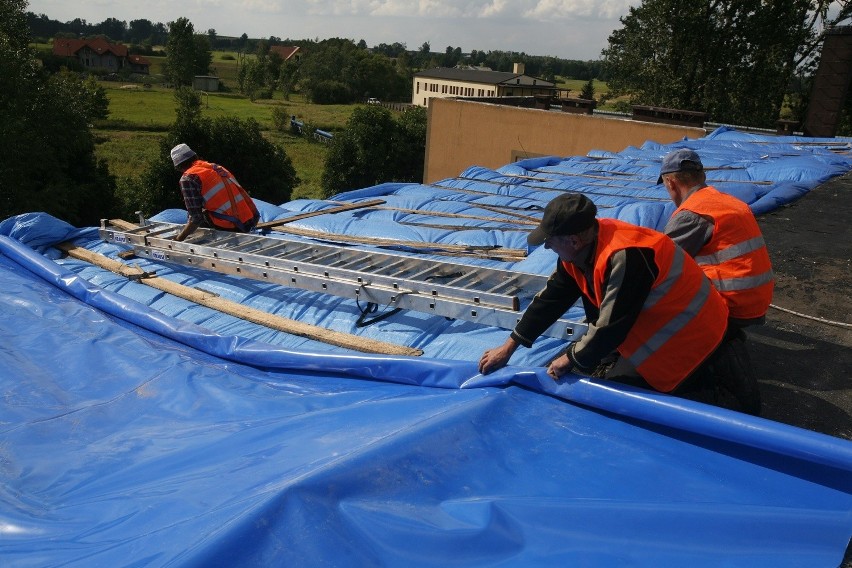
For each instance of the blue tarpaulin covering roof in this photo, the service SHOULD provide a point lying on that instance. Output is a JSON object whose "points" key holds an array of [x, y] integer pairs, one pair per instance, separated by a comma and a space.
{"points": [[140, 429]]}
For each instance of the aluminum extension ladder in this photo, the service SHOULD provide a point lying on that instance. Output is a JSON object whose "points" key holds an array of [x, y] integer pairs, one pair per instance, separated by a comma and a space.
{"points": [[486, 296]]}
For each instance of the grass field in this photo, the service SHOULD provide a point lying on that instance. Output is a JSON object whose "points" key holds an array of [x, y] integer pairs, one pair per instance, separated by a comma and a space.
{"points": [[139, 116]]}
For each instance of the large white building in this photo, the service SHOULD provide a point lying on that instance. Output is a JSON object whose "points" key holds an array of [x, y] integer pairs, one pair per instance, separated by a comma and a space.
{"points": [[444, 82]]}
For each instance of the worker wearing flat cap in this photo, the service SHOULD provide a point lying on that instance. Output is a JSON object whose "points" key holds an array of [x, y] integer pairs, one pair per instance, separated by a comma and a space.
{"points": [[721, 233], [646, 302], [212, 195]]}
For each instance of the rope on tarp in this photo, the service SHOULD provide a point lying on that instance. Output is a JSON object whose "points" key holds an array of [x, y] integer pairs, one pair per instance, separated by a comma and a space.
{"points": [[823, 320]]}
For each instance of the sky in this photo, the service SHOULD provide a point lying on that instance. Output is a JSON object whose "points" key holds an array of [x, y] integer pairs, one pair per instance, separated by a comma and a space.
{"points": [[569, 29]]}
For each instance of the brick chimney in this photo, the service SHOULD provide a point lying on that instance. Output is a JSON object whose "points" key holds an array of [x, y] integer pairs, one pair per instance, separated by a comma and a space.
{"points": [[518, 69]]}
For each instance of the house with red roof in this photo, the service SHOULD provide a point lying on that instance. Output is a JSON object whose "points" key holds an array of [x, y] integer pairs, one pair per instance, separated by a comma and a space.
{"points": [[98, 53], [286, 52]]}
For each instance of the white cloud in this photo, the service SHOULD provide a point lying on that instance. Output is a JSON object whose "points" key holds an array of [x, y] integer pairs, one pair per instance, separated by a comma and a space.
{"points": [[569, 9], [544, 10], [575, 29]]}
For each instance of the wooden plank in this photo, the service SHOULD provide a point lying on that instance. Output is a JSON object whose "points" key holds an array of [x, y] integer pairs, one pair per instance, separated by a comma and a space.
{"points": [[301, 329], [491, 252], [497, 253], [522, 220], [342, 208]]}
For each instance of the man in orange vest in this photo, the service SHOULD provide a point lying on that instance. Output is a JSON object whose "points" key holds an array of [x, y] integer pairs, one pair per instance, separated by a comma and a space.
{"points": [[721, 233], [644, 299], [212, 195]]}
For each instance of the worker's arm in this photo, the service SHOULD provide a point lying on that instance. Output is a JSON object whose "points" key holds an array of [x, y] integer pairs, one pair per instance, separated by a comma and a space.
{"points": [[558, 295], [690, 231], [187, 230], [498, 357], [190, 188], [630, 276]]}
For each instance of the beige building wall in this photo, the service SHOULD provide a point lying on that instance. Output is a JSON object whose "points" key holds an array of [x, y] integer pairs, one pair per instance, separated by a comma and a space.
{"points": [[425, 88], [460, 134]]}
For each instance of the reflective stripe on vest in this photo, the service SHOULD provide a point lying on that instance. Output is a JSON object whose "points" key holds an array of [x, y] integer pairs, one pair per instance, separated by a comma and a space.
{"points": [[673, 326], [735, 259], [683, 318], [226, 204], [731, 252]]}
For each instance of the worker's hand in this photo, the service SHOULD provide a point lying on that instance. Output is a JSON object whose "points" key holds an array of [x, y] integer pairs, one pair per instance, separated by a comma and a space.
{"points": [[496, 358], [560, 367]]}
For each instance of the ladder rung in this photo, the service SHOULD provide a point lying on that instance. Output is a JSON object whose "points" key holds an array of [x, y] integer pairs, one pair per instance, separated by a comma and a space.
{"points": [[458, 281], [504, 286], [272, 251], [386, 270], [346, 262], [422, 273], [321, 257]]}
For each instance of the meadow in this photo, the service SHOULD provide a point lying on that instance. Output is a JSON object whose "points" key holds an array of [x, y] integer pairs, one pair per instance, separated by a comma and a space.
{"points": [[139, 116]]}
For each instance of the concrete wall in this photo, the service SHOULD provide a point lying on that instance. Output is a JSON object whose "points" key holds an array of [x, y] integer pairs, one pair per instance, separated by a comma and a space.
{"points": [[461, 134]]}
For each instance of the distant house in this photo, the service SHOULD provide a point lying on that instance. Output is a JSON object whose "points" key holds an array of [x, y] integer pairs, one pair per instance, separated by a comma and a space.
{"points": [[286, 52], [98, 53], [444, 82], [139, 64]]}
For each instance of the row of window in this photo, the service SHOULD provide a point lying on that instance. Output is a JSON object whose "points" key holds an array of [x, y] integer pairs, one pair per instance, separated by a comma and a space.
{"points": [[456, 90]]}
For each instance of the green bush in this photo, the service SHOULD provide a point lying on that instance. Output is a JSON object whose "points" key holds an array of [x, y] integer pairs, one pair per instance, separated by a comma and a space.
{"points": [[374, 148], [262, 168], [329, 93]]}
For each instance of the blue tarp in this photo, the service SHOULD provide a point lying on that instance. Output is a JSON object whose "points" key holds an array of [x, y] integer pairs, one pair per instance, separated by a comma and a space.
{"points": [[139, 429]]}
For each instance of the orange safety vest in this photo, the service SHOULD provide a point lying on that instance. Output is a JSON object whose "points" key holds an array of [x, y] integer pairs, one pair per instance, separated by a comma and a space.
{"points": [[227, 204], [683, 319], [735, 259]]}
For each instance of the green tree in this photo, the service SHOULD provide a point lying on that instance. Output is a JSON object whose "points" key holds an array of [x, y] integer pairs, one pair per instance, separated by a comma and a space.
{"points": [[202, 55], [337, 71], [733, 59], [113, 28], [140, 31], [262, 168], [180, 53], [48, 152], [588, 92], [410, 145], [375, 149], [288, 77]]}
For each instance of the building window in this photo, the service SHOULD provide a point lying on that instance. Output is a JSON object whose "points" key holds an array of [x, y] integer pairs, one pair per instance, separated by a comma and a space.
{"points": [[418, 88]]}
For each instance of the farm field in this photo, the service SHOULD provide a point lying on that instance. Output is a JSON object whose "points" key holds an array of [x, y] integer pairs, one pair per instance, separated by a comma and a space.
{"points": [[139, 116]]}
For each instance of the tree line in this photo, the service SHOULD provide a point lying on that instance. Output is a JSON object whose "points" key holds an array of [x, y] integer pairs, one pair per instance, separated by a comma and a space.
{"points": [[144, 35], [741, 61]]}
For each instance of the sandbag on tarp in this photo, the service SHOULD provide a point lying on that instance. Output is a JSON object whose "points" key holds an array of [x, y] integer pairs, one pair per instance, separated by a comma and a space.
{"points": [[128, 445]]}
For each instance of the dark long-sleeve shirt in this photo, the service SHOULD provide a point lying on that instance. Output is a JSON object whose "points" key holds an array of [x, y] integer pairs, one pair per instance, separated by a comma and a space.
{"points": [[628, 280]]}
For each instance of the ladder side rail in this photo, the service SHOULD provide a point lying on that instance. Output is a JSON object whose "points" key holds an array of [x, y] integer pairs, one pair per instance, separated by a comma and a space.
{"points": [[489, 315]]}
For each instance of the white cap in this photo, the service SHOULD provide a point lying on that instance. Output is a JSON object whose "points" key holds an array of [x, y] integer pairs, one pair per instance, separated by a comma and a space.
{"points": [[181, 153]]}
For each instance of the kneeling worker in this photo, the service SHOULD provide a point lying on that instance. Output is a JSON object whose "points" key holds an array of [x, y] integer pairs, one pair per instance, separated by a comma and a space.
{"points": [[643, 297], [721, 233], [212, 195]]}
